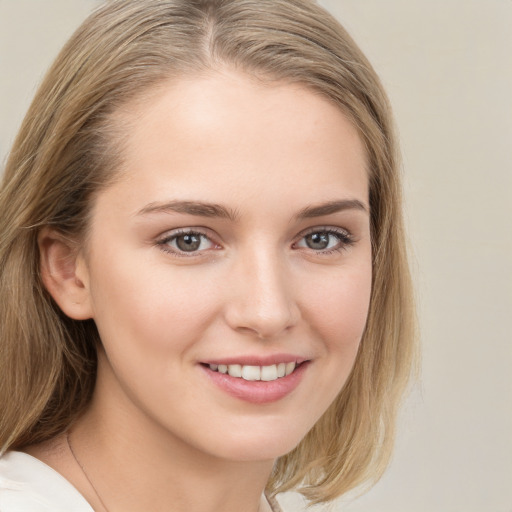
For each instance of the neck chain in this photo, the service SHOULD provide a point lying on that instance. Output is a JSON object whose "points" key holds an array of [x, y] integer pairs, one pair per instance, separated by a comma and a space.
{"points": [[84, 472], [272, 502]]}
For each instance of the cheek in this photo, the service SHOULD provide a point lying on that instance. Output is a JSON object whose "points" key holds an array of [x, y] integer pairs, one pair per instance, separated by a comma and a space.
{"points": [[340, 309], [152, 309], [337, 313]]}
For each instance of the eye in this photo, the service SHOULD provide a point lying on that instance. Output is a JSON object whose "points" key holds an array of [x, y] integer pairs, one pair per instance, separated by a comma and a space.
{"points": [[326, 240], [186, 242]]}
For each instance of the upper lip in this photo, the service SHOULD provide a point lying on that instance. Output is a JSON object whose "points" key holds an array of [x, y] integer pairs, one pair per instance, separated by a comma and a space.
{"points": [[257, 360]]}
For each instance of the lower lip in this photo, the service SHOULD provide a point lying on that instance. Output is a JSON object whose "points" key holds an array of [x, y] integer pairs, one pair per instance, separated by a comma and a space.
{"points": [[257, 391]]}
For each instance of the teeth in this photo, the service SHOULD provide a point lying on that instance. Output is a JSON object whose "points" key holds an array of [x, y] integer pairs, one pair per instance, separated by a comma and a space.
{"points": [[289, 368], [235, 370], [269, 372], [252, 373]]}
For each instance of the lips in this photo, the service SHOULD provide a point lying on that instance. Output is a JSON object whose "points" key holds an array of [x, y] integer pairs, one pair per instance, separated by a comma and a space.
{"points": [[272, 379]]}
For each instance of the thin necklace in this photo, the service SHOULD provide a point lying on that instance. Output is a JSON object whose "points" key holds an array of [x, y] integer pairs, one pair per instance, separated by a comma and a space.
{"points": [[84, 472], [272, 503]]}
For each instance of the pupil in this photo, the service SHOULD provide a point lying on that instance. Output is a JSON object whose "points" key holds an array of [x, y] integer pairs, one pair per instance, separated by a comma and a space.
{"points": [[317, 240], [188, 242]]}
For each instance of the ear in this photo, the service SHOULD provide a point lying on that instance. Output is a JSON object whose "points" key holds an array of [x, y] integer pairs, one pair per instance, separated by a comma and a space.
{"points": [[64, 274]]}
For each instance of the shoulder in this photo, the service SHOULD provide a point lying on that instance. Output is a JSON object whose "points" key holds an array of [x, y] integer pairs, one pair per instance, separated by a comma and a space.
{"points": [[26, 483]]}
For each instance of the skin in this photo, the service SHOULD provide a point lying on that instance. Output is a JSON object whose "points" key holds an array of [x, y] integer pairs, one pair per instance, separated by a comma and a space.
{"points": [[158, 431]]}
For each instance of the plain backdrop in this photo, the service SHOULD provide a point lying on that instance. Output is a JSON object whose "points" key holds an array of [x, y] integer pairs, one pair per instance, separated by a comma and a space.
{"points": [[447, 67]]}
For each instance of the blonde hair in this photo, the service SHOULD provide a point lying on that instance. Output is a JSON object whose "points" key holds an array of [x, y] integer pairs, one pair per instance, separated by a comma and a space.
{"points": [[70, 147]]}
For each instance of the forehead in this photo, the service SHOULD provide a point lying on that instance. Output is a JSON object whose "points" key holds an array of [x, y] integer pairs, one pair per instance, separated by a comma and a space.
{"points": [[227, 136]]}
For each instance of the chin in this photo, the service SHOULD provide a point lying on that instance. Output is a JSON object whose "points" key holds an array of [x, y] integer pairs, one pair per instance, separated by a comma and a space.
{"points": [[256, 444]]}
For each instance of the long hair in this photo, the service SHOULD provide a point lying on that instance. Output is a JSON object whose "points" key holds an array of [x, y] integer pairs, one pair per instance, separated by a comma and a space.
{"points": [[70, 147]]}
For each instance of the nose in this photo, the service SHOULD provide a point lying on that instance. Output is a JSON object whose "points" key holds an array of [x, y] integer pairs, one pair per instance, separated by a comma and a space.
{"points": [[261, 300]]}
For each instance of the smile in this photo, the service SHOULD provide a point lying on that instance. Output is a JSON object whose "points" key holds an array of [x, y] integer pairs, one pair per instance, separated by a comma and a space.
{"points": [[257, 384], [254, 373]]}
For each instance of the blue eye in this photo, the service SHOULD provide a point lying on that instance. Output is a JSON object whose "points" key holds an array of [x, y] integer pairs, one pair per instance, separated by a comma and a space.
{"points": [[186, 242], [325, 240]]}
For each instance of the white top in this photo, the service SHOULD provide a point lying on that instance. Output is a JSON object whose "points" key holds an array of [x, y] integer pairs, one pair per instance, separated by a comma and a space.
{"points": [[29, 485]]}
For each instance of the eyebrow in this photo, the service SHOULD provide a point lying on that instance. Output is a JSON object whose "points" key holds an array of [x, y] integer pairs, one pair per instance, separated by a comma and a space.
{"points": [[200, 209], [213, 210], [331, 207]]}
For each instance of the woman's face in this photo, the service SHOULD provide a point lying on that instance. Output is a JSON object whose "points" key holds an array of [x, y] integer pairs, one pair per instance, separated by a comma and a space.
{"points": [[236, 240]]}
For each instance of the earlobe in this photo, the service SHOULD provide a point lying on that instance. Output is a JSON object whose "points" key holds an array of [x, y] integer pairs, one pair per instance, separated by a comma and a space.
{"points": [[64, 274]]}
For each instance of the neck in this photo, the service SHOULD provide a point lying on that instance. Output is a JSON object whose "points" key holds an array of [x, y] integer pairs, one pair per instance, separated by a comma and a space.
{"points": [[134, 464]]}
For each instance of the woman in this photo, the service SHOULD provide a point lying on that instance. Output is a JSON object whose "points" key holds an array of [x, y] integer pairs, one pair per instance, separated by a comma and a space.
{"points": [[205, 295]]}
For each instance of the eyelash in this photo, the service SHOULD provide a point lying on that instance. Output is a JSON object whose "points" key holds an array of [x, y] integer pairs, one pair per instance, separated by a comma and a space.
{"points": [[345, 240], [164, 242]]}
